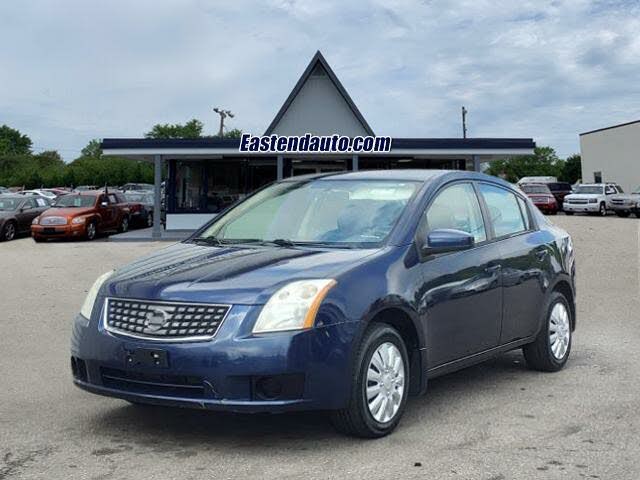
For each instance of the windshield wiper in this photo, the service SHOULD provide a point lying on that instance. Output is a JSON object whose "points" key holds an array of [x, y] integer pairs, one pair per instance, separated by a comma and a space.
{"points": [[208, 240], [282, 242]]}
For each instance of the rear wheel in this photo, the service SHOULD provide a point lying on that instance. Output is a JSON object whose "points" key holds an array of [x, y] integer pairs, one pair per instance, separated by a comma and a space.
{"points": [[550, 350], [8, 231], [380, 385]]}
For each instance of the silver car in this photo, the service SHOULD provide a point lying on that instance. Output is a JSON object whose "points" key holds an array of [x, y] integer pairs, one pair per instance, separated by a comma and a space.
{"points": [[626, 204]]}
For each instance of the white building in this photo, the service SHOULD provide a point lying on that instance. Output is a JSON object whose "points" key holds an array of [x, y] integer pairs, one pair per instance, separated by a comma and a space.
{"points": [[612, 154]]}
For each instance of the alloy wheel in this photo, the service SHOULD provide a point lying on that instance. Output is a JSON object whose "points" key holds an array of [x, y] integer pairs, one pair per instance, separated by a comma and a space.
{"points": [[9, 231], [385, 382], [559, 330], [149, 219], [125, 224], [91, 231], [603, 209]]}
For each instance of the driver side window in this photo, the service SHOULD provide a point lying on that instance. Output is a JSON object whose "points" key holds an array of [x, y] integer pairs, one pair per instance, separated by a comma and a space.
{"points": [[456, 207]]}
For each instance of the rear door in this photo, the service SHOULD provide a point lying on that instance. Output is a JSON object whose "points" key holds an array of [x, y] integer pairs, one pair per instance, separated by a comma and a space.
{"points": [[525, 258]]}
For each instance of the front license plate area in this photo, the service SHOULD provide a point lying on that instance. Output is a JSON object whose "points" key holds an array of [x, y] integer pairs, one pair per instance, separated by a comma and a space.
{"points": [[146, 357]]}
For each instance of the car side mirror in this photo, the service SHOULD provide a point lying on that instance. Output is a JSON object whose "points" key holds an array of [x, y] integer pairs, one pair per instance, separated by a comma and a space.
{"points": [[103, 204], [447, 240]]}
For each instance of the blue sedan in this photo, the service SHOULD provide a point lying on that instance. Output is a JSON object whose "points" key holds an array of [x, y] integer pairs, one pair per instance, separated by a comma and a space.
{"points": [[344, 292]]}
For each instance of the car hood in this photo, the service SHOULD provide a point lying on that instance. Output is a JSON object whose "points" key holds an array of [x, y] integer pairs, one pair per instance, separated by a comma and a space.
{"points": [[626, 196], [66, 212], [583, 195], [230, 274]]}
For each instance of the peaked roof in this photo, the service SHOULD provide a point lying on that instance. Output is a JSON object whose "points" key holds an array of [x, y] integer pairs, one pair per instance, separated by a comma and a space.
{"points": [[318, 58]]}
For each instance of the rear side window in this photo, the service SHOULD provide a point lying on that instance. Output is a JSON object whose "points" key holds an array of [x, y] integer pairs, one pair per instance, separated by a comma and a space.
{"points": [[504, 210], [457, 207]]}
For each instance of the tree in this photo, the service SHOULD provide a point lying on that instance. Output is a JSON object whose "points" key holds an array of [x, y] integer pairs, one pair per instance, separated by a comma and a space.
{"points": [[572, 169], [12, 142], [233, 133], [191, 129], [544, 162], [92, 149]]}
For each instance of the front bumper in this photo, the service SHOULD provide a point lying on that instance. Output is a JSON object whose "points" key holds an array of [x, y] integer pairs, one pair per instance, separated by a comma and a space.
{"points": [[627, 207], [581, 207], [225, 373], [58, 231], [547, 207]]}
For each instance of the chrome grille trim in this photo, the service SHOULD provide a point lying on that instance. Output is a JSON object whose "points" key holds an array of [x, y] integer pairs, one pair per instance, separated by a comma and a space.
{"points": [[127, 316], [53, 221]]}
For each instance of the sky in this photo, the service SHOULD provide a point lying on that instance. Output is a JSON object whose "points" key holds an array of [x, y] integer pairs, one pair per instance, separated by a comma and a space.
{"points": [[74, 70]]}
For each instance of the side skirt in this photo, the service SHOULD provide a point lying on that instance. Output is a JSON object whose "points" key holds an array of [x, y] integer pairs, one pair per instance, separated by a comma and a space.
{"points": [[476, 358]]}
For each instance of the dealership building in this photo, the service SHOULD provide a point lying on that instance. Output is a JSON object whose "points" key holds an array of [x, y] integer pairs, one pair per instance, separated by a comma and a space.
{"points": [[206, 175], [612, 154]]}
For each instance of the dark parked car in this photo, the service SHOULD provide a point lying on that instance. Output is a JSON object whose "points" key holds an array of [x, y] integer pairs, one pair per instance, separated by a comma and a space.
{"points": [[17, 212], [82, 215], [343, 292], [541, 197], [140, 207], [138, 187], [559, 191]]}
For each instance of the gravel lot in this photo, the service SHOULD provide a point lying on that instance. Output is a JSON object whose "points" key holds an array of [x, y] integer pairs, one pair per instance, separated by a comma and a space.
{"points": [[495, 421]]}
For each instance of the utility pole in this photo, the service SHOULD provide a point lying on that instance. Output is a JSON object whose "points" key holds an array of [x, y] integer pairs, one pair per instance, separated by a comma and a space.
{"points": [[223, 114], [464, 122]]}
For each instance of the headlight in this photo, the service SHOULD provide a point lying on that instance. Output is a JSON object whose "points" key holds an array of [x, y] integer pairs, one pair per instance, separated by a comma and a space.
{"points": [[78, 220], [294, 306], [593, 200], [35, 221], [87, 306]]}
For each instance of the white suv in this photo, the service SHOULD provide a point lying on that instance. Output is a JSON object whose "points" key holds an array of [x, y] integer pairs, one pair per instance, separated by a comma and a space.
{"points": [[591, 198]]}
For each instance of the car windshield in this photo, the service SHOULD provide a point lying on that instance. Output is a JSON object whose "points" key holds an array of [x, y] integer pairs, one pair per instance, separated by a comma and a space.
{"points": [[535, 189], [76, 201], [341, 213], [137, 197], [589, 189], [9, 203]]}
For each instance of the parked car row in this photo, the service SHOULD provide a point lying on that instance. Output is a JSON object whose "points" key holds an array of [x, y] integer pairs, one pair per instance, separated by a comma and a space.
{"points": [[78, 215], [593, 198]]}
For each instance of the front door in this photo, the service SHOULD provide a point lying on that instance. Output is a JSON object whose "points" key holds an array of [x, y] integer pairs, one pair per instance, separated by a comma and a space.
{"points": [[461, 298]]}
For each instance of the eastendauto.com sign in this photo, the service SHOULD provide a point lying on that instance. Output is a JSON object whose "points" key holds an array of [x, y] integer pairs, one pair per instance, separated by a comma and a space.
{"points": [[313, 143]]}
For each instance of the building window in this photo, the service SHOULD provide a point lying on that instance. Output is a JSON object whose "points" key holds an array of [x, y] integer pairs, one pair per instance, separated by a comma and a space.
{"points": [[189, 186], [597, 177]]}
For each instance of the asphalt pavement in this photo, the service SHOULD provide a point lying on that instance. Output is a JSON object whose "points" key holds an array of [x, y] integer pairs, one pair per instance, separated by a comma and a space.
{"points": [[495, 421]]}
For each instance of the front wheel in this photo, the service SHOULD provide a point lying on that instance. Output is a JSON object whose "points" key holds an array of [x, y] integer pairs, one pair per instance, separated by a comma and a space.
{"points": [[550, 350], [8, 231], [602, 211], [380, 385], [92, 230], [124, 225]]}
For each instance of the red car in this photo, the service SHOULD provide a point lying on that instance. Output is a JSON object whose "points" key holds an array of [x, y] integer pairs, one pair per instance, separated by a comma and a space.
{"points": [[82, 215], [541, 197]]}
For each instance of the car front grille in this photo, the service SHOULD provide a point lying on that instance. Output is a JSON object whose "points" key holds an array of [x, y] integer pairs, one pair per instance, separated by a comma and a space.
{"points": [[163, 321], [53, 221], [577, 201], [618, 202], [153, 384]]}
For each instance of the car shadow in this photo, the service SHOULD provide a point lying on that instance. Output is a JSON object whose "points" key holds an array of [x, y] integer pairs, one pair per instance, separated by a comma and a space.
{"points": [[162, 428]]}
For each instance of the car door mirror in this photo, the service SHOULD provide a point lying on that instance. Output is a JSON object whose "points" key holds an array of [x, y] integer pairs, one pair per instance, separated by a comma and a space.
{"points": [[447, 240], [104, 204]]}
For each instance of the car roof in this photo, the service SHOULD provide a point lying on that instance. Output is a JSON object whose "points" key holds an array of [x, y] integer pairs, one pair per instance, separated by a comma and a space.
{"points": [[419, 175]]}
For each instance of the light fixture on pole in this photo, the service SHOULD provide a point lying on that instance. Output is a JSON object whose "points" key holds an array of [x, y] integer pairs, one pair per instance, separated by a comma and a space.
{"points": [[223, 114], [464, 122]]}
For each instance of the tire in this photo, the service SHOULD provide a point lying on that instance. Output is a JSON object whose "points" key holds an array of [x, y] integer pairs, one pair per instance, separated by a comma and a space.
{"points": [[622, 214], [124, 225], [542, 354], [568, 213], [602, 211], [8, 231], [357, 418], [92, 230]]}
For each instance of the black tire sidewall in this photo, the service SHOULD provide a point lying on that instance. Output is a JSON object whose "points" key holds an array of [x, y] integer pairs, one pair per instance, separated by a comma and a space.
{"points": [[5, 231], [376, 336], [95, 231]]}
